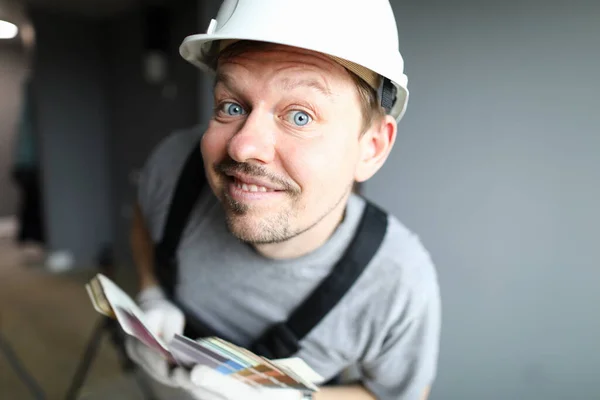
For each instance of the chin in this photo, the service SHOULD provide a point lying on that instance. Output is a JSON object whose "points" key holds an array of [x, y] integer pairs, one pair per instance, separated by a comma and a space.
{"points": [[257, 230], [247, 232]]}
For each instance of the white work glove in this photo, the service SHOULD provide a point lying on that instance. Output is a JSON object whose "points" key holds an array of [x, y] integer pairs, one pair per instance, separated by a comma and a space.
{"points": [[204, 383], [163, 319]]}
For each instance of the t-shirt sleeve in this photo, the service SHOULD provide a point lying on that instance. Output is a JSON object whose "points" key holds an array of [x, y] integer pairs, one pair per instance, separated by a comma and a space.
{"points": [[407, 361], [159, 175]]}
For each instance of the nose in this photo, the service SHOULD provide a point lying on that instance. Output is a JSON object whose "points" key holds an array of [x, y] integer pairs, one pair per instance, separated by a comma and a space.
{"points": [[255, 140]]}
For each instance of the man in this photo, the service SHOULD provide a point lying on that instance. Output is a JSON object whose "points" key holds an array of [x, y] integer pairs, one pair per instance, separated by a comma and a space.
{"points": [[307, 99]]}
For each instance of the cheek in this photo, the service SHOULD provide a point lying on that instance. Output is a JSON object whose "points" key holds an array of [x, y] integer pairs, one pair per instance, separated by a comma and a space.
{"points": [[214, 150], [214, 145], [321, 168]]}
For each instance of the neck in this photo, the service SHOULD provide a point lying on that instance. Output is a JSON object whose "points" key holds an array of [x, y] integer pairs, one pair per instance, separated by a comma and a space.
{"points": [[307, 241]]}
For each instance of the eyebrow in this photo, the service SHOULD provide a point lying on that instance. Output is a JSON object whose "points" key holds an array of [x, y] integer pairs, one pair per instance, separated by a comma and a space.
{"points": [[224, 79], [288, 84]]}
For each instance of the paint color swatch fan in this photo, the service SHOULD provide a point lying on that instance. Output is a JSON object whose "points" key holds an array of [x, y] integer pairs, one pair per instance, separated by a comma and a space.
{"points": [[227, 358]]}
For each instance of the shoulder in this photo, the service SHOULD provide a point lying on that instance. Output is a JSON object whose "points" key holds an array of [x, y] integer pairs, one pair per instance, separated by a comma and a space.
{"points": [[404, 313], [402, 277], [164, 163], [407, 258], [160, 173], [174, 148], [390, 318]]}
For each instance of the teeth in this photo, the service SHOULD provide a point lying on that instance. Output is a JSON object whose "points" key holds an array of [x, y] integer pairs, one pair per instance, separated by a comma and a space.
{"points": [[251, 187]]}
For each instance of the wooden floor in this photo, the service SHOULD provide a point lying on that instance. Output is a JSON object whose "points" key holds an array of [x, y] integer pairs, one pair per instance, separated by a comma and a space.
{"points": [[47, 320]]}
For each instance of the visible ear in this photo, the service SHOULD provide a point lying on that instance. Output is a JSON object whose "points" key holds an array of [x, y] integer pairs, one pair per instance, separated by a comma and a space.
{"points": [[374, 147]]}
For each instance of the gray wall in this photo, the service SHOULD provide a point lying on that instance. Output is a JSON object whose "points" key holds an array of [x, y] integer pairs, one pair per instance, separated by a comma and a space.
{"points": [[140, 113], [497, 167], [12, 70], [99, 119], [70, 82]]}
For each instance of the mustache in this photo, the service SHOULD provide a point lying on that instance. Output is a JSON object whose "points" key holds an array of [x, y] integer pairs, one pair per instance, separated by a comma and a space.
{"points": [[230, 166]]}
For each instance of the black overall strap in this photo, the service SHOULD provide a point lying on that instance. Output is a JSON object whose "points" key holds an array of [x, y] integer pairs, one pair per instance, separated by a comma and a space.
{"points": [[189, 185], [282, 340]]}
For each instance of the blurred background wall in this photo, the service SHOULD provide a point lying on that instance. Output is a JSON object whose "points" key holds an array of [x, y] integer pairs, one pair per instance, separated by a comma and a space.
{"points": [[97, 114], [12, 69], [496, 165], [71, 86]]}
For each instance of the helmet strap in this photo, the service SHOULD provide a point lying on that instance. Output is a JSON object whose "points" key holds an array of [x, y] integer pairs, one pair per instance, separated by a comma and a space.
{"points": [[387, 93]]}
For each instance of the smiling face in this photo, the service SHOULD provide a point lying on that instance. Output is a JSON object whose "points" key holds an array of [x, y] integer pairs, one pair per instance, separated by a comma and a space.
{"points": [[284, 145]]}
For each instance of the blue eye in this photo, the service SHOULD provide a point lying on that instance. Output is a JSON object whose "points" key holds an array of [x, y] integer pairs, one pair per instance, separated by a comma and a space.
{"points": [[300, 118], [233, 109]]}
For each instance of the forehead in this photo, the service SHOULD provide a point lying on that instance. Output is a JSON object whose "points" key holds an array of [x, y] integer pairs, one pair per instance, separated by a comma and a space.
{"points": [[250, 49], [262, 57]]}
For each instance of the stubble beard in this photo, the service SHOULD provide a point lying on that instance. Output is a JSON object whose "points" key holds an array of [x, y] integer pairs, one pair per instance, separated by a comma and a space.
{"points": [[270, 230]]}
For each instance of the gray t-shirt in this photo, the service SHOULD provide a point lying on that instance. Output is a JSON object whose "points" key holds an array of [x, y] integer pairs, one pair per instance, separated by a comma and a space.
{"points": [[385, 331]]}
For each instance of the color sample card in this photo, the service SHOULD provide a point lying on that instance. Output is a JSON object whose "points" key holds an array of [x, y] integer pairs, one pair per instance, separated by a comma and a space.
{"points": [[213, 352], [140, 332], [236, 362]]}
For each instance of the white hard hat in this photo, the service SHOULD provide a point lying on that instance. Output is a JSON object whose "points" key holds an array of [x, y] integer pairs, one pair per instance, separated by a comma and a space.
{"points": [[358, 34]]}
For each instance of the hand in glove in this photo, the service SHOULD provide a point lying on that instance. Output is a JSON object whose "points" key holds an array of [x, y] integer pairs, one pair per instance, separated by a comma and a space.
{"points": [[163, 319], [204, 383]]}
